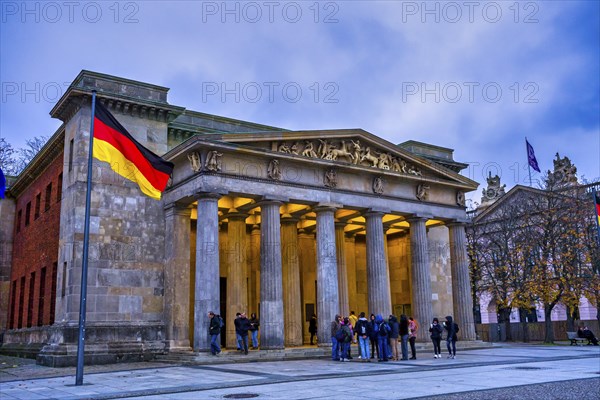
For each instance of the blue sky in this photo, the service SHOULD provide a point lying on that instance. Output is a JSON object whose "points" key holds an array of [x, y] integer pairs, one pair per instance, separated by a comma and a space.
{"points": [[473, 76]]}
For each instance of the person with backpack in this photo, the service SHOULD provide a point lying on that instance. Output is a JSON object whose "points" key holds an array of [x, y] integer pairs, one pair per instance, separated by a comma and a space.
{"points": [[214, 329], [254, 324], [363, 331], [344, 337], [451, 329], [244, 327], [334, 328], [383, 330], [404, 336], [373, 337], [436, 337]]}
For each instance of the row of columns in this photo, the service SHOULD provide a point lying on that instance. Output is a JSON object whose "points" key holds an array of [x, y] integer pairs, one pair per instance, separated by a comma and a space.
{"points": [[279, 270]]}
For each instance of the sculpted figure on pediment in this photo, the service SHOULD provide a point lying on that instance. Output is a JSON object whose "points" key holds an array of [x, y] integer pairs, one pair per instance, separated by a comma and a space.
{"points": [[284, 148], [385, 159], [366, 155], [213, 161], [356, 150], [295, 149], [324, 148], [343, 152], [309, 150], [414, 170], [194, 159], [274, 171]]}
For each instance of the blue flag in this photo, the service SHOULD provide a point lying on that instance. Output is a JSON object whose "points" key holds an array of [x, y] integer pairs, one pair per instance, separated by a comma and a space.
{"points": [[531, 157], [2, 184]]}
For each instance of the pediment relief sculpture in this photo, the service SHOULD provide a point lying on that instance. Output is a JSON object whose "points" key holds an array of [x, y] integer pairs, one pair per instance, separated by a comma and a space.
{"points": [[330, 179], [422, 192], [349, 151], [274, 170], [195, 162], [378, 185], [213, 161]]}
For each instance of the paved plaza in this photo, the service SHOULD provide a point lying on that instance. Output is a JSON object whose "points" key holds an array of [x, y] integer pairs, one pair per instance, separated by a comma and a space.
{"points": [[501, 372]]}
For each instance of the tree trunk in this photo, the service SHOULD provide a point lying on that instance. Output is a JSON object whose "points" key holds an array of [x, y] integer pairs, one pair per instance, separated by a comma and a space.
{"points": [[504, 317], [549, 336], [524, 323], [571, 314]]}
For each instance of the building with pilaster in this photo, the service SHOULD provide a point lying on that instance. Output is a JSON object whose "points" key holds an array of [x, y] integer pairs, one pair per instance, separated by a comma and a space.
{"points": [[255, 219]]}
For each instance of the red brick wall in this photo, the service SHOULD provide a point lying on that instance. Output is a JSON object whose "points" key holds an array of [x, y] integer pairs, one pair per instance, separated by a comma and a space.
{"points": [[36, 247]]}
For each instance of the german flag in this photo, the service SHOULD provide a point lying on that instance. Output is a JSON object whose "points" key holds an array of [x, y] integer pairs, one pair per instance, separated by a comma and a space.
{"points": [[597, 199], [128, 158]]}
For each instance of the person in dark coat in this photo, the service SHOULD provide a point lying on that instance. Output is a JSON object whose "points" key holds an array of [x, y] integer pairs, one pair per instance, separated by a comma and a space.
{"points": [[312, 328], [244, 325], [451, 338], [436, 337], [394, 334], [404, 336], [214, 330], [383, 331], [254, 324], [373, 338], [363, 331], [585, 333]]}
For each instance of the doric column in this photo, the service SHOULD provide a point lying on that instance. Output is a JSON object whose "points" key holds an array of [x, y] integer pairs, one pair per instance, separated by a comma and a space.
{"points": [[292, 303], [350, 250], [341, 269], [378, 279], [177, 275], [461, 284], [237, 287], [254, 269], [207, 294], [271, 290], [420, 276], [328, 302]]}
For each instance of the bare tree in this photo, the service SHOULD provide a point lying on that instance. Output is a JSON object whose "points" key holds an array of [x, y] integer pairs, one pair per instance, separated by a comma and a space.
{"points": [[8, 163]]}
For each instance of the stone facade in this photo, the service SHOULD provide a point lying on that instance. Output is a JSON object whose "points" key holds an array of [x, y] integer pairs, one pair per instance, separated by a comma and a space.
{"points": [[281, 223]]}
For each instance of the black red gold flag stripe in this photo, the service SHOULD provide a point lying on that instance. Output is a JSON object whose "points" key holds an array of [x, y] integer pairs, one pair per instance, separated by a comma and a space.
{"points": [[128, 158]]}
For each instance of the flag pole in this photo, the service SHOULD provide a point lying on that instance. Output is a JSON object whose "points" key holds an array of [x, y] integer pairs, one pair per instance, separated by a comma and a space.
{"points": [[528, 164], [596, 213], [84, 266]]}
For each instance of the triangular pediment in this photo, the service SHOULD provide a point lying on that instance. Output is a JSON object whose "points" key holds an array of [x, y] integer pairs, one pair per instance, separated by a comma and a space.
{"points": [[353, 148]]}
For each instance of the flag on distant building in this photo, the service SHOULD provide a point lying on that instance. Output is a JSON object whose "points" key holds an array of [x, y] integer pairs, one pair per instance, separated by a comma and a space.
{"points": [[531, 157], [2, 184], [597, 199], [127, 157]]}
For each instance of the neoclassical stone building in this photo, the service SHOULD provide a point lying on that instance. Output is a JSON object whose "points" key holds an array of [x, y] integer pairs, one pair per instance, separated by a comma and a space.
{"points": [[256, 219]]}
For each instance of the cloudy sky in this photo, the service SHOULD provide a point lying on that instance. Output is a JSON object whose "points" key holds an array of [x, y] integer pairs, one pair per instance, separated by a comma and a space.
{"points": [[473, 76]]}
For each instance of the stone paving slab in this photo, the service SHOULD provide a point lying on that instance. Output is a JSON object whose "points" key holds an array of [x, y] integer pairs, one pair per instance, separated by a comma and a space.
{"points": [[472, 370]]}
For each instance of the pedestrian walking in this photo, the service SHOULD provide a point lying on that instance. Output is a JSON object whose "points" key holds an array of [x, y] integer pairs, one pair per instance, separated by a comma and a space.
{"points": [[214, 330], [404, 336], [413, 328], [451, 329], [244, 325], [254, 324], [436, 337]]}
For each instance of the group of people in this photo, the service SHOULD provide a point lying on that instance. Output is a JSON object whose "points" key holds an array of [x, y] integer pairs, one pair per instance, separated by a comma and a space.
{"points": [[243, 326], [379, 336]]}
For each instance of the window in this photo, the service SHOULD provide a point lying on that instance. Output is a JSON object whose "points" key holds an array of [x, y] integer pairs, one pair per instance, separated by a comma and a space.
{"points": [[71, 144], [19, 217], [30, 300], [40, 318], [59, 188], [27, 214], [38, 200], [48, 196]]}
